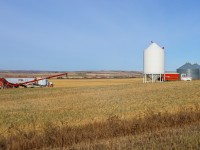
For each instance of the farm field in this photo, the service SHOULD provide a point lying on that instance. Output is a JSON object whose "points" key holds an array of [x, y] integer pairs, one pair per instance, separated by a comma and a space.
{"points": [[79, 102]]}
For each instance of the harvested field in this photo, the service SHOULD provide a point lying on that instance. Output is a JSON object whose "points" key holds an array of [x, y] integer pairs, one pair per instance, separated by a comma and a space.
{"points": [[76, 103]]}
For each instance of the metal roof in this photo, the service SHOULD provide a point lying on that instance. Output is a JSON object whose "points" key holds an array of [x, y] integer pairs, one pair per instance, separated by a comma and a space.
{"points": [[190, 66], [196, 66]]}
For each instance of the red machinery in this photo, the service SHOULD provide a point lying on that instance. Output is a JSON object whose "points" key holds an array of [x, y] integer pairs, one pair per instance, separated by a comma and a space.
{"points": [[5, 84], [172, 76]]}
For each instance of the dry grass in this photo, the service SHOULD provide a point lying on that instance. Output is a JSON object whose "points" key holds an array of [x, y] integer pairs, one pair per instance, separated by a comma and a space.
{"points": [[147, 131], [184, 138], [77, 103]]}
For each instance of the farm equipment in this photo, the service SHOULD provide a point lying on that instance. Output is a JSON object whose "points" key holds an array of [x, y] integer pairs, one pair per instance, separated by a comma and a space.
{"points": [[27, 82], [184, 77], [171, 76]]}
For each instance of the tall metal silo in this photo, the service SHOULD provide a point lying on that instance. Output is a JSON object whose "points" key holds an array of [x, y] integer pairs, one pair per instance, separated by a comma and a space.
{"points": [[197, 66], [154, 63], [190, 70]]}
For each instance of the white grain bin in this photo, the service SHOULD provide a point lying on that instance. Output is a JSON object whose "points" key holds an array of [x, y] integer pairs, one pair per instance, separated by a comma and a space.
{"points": [[154, 63]]}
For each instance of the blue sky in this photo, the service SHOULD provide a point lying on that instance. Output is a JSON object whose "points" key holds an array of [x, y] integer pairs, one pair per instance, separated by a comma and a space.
{"points": [[72, 35]]}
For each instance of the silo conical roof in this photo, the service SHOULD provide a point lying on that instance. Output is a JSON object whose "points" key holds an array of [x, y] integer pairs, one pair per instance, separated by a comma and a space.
{"points": [[153, 46], [196, 66], [190, 66], [186, 66]]}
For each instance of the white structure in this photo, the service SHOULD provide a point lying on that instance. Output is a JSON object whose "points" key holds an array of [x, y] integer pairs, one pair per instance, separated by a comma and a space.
{"points": [[154, 63], [19, 80], [43, 82]]}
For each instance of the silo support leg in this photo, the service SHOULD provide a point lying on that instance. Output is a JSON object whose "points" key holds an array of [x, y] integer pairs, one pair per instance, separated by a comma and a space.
{"points": [[160, 78], [143, 78]]}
